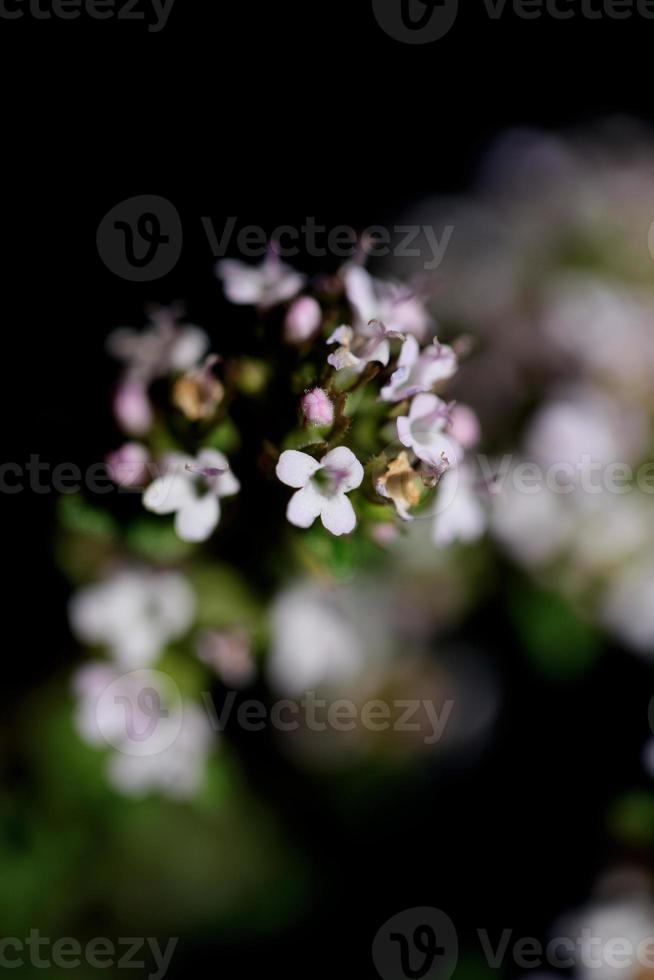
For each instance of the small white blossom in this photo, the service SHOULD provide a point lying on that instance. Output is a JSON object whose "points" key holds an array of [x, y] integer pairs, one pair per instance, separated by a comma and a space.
{"points": [[191, 489], [356, 351], [392, 303], [423, 430], [134, 614], [418, 371], [321, 488], [263, 285]]}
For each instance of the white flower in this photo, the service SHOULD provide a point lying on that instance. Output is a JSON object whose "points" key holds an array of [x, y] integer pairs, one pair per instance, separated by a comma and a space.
{"points": [[313, 641], [391, 303], [178, 770], [628, 607], [357, 351], [160, 742], [322, 488], [134, 614], [423, 431], [460, 515], [419, 371], [191, 489], [263, 285], [161, 349]]}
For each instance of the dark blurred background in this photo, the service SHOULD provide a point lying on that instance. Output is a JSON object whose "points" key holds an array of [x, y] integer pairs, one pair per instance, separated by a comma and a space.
{"points": [[274, 112]]}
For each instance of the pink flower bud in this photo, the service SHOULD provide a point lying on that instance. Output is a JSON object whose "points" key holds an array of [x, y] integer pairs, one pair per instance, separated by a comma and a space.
{"points": [[128, 466], [132, 408], [302, 320], [318, 408], [465, 427]]}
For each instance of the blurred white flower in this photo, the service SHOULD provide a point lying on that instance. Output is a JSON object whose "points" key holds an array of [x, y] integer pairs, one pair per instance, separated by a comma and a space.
{"points": [[322, 488], [534, 526], [134, 614], [163, 348], [313, 641], [160, 743], [419, 371], [460, 515], [393, 304], [191, 489], [628, 606], [263, 285]]}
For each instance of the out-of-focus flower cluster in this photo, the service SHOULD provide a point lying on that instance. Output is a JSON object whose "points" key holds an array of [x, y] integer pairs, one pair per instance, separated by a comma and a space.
{"points": [[550, 271], [290, 464]]}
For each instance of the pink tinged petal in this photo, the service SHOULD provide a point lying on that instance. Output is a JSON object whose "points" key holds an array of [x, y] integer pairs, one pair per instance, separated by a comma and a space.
{"points": [[344, 462], [359, 288], [409, 354], [338, 515], [212, 459], [198, 519], [295, 469], [377, 350], [242, 283], [302, 320], [404, 431], [304, 506], [190, 346], [168, 494], [424, 404], [343, 359], [132, 408]]}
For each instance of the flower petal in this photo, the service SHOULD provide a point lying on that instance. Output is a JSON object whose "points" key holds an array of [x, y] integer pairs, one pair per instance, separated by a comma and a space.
{"points": [[304, 506], [197, 519], [169, 493], [338, 515], [295, 469], [347, 465], [404, 431]]}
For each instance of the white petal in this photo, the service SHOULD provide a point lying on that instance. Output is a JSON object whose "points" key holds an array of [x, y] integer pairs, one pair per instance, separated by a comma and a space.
{"points": [[304, 506], [404, 431], [359, 287], [295, 469], [197, 519], [425, 404], [212, 459], [338, 515], [168, 493], [342, 335], [226, 485], [191, 344], [344, 460], [409, 353]]}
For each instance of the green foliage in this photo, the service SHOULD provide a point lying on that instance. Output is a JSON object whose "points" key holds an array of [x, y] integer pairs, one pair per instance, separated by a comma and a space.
{"points": [[558, 641]]}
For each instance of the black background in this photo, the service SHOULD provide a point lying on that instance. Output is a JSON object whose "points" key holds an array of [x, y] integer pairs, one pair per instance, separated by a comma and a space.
{"points": [[273, 112]]}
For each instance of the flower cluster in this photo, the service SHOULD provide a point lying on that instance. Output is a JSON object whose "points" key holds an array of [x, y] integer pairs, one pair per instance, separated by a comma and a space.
{"points": [[343, 401]]}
